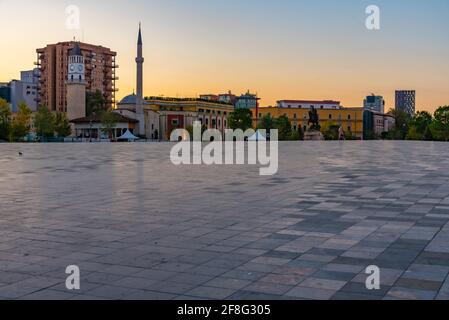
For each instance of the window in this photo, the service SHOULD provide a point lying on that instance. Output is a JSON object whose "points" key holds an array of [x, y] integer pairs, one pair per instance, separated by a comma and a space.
{"points": [[295, 116], [330, 117], [349, 117], [349, 128], [175, 122]]}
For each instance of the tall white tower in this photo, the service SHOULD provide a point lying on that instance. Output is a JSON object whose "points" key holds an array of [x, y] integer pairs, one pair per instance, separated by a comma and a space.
{"points": [[76, 85], [139, 85]]}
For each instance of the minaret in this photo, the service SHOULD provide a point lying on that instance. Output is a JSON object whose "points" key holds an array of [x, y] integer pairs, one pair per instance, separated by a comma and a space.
{"points": [[139, 85], [76, 84]]}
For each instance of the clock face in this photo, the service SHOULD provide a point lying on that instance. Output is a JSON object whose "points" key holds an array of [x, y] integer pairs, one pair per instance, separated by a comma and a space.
{"points": [[80, 68], [72, 68]]}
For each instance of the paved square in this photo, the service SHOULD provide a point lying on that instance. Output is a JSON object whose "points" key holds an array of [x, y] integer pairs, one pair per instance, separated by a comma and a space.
{"points": [[141, 228]]}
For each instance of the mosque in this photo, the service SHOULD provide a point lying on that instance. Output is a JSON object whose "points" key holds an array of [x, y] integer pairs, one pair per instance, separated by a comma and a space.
{"points": [[157, 117]]}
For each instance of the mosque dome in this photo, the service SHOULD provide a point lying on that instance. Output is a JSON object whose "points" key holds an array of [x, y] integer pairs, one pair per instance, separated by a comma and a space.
{"points": [[130, 99]]}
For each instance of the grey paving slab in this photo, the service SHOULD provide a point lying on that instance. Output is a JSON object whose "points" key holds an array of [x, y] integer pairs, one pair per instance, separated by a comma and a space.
{"points": [[141, 228]]}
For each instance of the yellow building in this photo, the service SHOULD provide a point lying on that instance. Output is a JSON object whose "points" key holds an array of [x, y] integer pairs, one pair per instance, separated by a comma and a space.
{"points": [[163, 115], [351, 119]]}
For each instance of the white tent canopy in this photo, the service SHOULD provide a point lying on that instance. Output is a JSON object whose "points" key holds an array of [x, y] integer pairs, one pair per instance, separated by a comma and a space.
{"points": [[257, 137], [128, 136]]}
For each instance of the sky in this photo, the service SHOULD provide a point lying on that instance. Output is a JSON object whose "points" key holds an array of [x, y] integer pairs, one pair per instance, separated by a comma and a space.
{"points": [[280, 49]]}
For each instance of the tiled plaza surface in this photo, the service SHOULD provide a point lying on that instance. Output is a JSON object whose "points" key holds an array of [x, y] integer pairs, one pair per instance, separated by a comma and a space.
{"points": [[141, 228]]}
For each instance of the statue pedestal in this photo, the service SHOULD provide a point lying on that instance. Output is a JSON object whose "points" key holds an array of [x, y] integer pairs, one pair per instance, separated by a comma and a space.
{"points": [[313, 135]]}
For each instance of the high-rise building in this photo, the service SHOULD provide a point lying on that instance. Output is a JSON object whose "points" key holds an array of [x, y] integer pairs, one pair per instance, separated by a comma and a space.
{"points": [[21, 91], [53, 60], [405, 101], [5, 91], [374, 103]]}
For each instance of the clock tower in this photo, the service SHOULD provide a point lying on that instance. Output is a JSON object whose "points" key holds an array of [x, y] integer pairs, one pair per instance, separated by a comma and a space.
{"points": [[76, 85]]}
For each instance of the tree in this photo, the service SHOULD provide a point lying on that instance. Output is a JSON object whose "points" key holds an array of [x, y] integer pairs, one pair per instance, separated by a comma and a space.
{"points": [[284, 127], [5, 120], [241, 119], [414, 134], [21, 123], [421, 121], [440, 126], [331, 131], [108, 122], [44, 123], [419, 126], [95, 103], [62, 125], [267, 123], [296, 135], [299, 134], [402, 123]]}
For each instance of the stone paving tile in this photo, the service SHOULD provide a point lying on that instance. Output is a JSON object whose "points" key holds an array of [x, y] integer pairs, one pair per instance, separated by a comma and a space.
{"points": [[345, 295], [284, 279], [320, 283], [141, 228], [426, 272], [112, 292], [210, 292], [347, 268], [48, 294], [411, 294], [334, 275], [268, 287], [255, 296], [418, 284], [360, 288], [310, 293], [228, 283]]}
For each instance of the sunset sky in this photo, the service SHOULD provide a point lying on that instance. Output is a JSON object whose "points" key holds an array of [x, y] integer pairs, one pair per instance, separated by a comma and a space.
{"points": [[281, 49]]}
